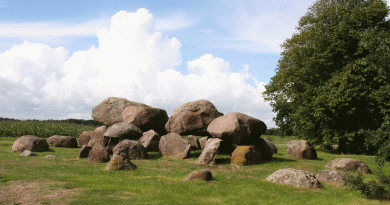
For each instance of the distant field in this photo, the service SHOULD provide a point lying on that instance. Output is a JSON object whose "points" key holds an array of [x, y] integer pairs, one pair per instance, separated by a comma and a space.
{"points": [[68, 180]]}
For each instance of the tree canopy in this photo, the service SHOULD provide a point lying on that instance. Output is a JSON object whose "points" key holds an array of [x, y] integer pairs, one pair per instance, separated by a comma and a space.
{"points": [[331, 80]]}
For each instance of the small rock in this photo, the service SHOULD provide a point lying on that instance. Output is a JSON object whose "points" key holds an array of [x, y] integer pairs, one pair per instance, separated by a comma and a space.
{"points": [[210, 152], [118, 163], [97, 140], [194, 142], [293, 177], [27, 153], [202, 175], [101, 129], [348, 164], [51, 156]]}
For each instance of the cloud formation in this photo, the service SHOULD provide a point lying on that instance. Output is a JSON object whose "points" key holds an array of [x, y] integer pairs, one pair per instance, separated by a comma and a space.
{"points": [[132, 61]]}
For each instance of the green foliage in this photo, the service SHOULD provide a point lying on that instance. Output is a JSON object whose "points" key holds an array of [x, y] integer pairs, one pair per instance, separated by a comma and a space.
{"points": [[41, 129], [332, 79], [372, 189]]}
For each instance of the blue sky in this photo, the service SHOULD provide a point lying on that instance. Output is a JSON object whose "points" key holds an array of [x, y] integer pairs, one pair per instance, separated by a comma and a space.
{"points": [[61, 58]]}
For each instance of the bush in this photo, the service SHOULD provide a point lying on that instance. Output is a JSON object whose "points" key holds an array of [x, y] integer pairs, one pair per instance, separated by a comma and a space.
{"points": [[372, 189]]}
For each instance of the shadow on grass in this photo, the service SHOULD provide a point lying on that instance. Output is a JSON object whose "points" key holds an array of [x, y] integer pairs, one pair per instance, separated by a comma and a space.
{"points": [[277, 159], [154, 156]]}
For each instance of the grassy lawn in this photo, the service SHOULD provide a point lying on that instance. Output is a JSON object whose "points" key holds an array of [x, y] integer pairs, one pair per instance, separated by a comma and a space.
{"points": [[68, 180]]}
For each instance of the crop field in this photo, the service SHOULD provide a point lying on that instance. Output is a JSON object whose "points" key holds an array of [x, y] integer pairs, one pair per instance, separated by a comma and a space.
{"points": [[158, 180]]}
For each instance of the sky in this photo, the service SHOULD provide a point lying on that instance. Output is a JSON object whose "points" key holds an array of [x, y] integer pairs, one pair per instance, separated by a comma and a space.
{"points": [[59, 59]]}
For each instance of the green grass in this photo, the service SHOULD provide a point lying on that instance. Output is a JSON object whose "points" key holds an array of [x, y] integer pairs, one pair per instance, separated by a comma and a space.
{"points": [[160, 181]]}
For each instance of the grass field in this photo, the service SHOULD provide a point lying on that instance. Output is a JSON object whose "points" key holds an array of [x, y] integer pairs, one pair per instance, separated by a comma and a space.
{"points": [[68, 180]]}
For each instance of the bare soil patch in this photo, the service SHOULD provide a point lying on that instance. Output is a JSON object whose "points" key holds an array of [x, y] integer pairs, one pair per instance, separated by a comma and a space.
{"points": [[36, 192]]}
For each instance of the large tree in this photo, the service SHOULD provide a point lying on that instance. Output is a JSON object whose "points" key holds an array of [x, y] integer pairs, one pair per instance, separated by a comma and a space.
{"points": [[325, 89]]}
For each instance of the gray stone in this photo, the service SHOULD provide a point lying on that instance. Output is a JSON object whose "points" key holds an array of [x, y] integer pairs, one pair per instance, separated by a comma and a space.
{"points": [[210, 152], [301, 149], [348, 164], [202, 175], [174, 146], [62, 141], [51, 156], [98, 155], [150, 140], [130, 150], [296, 178], [194, 142], [27, 153], [118, 163], [332, 176], [203, 141]]}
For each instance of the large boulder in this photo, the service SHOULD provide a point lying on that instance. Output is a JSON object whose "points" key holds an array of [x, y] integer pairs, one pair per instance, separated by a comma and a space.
{"points": [[110, 110], [150, 140], [124, 130], [98, 155], [246, 155], [62, 141], [272, 145], [332, 176], [119, 132], [210, 152], [130, 150], [194, 142], [202, 175], [173, 145], [146, 118], [348, 164], [301, 149], [30, 142], [236, 128], [293, 177], [118, 163], [192, 118]]}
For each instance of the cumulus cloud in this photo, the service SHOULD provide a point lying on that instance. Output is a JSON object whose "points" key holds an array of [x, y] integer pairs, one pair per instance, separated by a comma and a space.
{"points": [[132, 61]]}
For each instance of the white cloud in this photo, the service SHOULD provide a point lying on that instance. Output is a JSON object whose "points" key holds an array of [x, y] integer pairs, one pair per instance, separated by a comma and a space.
{"points": [[132, 61], [175, 22]]}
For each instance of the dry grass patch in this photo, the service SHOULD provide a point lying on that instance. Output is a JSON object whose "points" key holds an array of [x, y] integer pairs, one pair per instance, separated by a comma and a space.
{"points": [[35, 192]]}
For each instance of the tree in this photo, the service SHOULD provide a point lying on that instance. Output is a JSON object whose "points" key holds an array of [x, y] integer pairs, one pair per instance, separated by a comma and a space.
{"points": [[325, 88]]}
